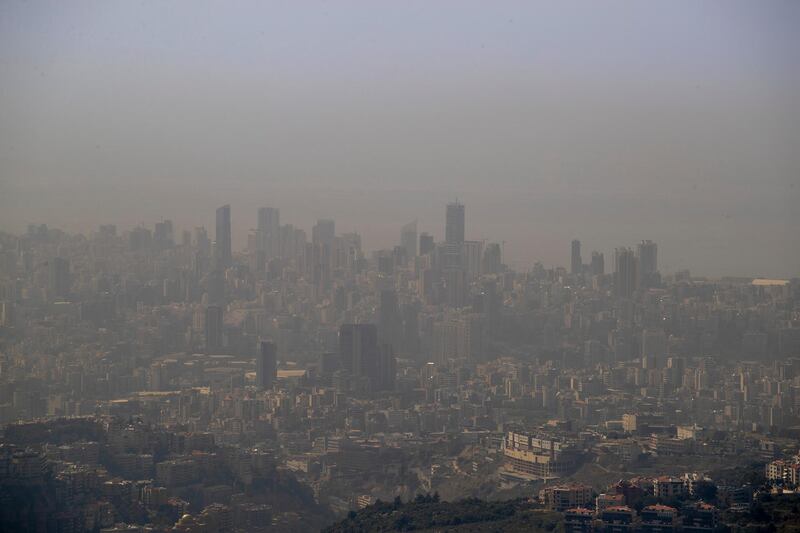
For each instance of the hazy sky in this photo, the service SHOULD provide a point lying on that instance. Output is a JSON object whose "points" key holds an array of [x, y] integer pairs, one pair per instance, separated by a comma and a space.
{"points": [[611, 122]]}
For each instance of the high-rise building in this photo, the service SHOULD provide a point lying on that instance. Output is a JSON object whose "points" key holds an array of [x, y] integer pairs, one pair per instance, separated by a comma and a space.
{"points": [[140, 239], [426, 244], [7, 316], [410, 336], [408, 239], [647, 253], [222, 247], [266, 365], [390, 325], [328, 363], [598, 264], [471, 255], [323, 232], [215, 287], [648, 257], [59, 282], [472, 337], [213, 327], [108, 231], [350, 251], [450, 256], [268, 230], [425, 284], [454, 224], [292, 242], [202, 241], [576, 265], [358, 349], [163, 235], [456, 287], [386, 370], [625, 272], [321, 267], [654, 348], [492, 259], [459, 337]]}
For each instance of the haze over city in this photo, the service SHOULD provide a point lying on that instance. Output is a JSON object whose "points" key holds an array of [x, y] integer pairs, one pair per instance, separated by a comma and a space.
{"points": [[675, 121], [356, 267]]}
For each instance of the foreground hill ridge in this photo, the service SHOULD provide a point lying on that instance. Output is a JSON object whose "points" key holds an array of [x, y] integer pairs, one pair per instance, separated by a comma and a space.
{"points": [[428, 513]]}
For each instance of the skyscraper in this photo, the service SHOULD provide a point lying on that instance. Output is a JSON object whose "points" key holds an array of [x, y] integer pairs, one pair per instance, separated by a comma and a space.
{"points": [[321, 266], [213, 327], [454, 224], [202, 241], [222, 249], [648, 257], [647, 253], [598, 264], [58, 282], [358, 349], [268, 230], [426, 244], [390, 324], [472, 337], [215, 287], [323, 232], [456, 287], [408, 239], [450, 252], [471, 255], [266, 365], [460, 337], [386, 369], [492, 259], [654, 348], [625, 272], [410, 335], [163, 235], [577, 261]]}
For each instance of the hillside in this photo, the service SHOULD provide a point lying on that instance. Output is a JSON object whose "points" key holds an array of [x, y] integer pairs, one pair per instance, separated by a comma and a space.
{"points": [[428, 514]]}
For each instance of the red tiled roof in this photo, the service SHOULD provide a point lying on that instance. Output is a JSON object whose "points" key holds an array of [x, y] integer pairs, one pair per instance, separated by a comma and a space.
{"points": [[623, 508], [659, 507], [579, 510]]}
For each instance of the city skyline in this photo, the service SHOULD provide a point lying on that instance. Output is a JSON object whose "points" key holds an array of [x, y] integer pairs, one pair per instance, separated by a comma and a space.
{"points": [[240, 245], [151, 380], [464, 266], [551, 123]]}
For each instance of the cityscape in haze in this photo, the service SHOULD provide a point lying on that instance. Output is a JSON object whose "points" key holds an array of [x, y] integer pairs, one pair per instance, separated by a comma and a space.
{"points": [[355, 267], [157, 378]]}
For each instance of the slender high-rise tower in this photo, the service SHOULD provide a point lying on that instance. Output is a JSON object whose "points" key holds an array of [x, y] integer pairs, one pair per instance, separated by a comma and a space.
{"points": [[268, 235], [577, 261], [323, 232], [266, 365], [358, 349], [625, 272], [364, 357], [648, 257], [222, 249], [492, 259], [598, 264], [454, 224], [213, 328], [647, 253], [452, 251], [408, 239], [426, 244], [58, 282], [390, 323]]}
